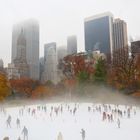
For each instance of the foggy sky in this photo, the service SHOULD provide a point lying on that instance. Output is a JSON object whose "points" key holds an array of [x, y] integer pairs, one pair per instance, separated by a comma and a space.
{"points": [[60, 18]]}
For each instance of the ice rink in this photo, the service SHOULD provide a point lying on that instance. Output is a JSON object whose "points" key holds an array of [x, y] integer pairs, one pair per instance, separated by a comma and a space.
{"points": [[45, 121]]}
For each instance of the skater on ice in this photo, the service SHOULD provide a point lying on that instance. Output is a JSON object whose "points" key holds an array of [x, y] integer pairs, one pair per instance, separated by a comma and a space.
{"points": [[60, 137], [18, 123], [83, 134], [8, 121], [118, 123], [25, 133]]}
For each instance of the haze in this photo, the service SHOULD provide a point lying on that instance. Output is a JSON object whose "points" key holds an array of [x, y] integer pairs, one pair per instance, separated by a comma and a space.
{"points": [[60, 18]]}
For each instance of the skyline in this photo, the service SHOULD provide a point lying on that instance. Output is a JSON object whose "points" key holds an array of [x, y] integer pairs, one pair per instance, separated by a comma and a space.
{"points": [[69, 16]]}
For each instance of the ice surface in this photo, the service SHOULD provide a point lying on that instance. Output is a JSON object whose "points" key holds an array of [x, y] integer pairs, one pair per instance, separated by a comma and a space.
{"points": [[42, 126]]}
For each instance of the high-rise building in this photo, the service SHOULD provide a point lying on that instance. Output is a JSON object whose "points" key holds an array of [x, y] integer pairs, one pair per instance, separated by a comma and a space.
{"points": [[135, 49], [71, 45], [50, 63], [119, 34], [20, 61], [99, 33], [61, 52], [31, 33], [1, 63]]}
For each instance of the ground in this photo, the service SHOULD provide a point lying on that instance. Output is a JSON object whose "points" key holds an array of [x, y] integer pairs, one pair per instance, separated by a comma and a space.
{"points": [[43, 127]]}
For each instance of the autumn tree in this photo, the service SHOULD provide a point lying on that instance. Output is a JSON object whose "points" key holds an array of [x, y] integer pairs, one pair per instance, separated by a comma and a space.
{"points": [[42, 91], [80, 66], [123, 69], [24, 86], [4, 87]]}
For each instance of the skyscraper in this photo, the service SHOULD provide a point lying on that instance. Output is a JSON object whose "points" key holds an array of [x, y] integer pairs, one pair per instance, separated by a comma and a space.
{"points": [[31, 33], [99, 33], [20, 61], [119, 34], [61, 52], [50, 63], [71, 45], [135, 49]]}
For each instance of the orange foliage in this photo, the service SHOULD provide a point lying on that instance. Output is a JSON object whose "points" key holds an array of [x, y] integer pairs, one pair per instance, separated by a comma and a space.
{"points": [[75, 64], [23, 85], [70, 83], [42, 91]]}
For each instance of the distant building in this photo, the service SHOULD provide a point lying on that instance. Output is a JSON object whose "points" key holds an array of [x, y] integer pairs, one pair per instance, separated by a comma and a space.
{"points": [[71, 45], [135, 48], [50, 63], [31, 33], [12, 72], [120, 39], [1, 65], [61, 52], [20, 61], [41, 64], [98, 32], [97, 54]]}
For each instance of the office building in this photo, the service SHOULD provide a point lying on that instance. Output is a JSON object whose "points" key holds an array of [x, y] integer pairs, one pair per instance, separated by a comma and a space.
{"points": [[20, 61], [71, 45], [99, 33], [31, 33], [61, 52], [119, 34], [50, 63]]}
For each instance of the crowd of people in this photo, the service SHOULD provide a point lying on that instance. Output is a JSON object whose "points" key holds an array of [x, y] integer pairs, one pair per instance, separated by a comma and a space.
{"points": [[108, 113]]}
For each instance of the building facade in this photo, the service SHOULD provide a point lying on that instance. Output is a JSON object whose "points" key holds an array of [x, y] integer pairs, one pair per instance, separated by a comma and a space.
{"points": [[120, 39], [20, 61], [61, 52], [98, 32], [135, 48], [31, 33], [71, 45], [12, 72], [50, 63]]}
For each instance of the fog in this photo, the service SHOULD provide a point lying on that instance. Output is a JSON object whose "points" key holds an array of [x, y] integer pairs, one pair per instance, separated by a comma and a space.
{"points": [[58, 19]]}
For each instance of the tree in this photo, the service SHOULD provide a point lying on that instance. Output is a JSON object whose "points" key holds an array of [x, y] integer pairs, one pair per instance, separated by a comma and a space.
{"points": [[80, 66], [42, 92], [24, 86], [4, 87], [123, 70], [100, 71]]}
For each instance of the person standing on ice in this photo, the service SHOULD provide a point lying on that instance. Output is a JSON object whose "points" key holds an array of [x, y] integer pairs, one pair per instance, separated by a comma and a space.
{"points": [[83, 134], [8, 121], [60, 137], [19, 138], [6, 138], [25, 133], [118, 123], [18, 123]]}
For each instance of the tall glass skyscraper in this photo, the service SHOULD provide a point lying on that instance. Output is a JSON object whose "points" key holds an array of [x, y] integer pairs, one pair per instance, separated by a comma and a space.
{"points": [[99, 33], [31, 33]]}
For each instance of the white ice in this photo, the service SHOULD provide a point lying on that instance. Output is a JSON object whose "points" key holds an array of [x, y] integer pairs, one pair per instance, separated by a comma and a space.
{"points": [[42, 127]]}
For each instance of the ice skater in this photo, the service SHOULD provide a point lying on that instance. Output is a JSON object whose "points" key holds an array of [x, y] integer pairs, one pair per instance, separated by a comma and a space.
{"points": [[19, 138], [6, 138], [118, 123], [60, 137], [25, 133], [83, 134], [8, 121], [18, 123]]}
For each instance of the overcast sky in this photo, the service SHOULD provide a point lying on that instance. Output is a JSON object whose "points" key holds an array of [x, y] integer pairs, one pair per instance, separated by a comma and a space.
{"points": [[60, 18]]}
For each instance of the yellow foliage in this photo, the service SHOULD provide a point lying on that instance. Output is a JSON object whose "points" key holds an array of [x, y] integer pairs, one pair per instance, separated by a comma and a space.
{"points": [[4, 87]]}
